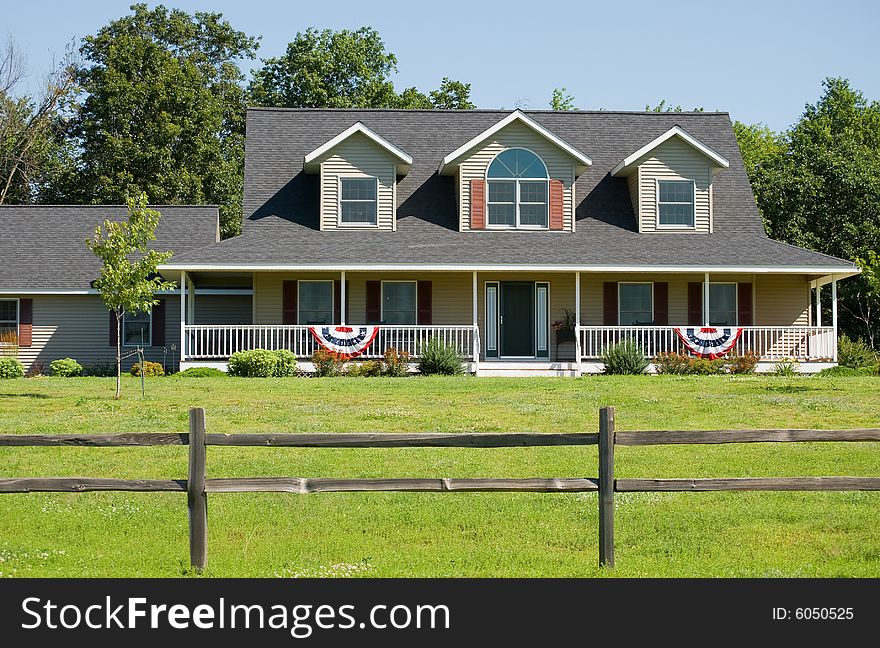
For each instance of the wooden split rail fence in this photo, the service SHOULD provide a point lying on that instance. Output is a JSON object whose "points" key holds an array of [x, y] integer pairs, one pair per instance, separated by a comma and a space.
{"points": [[197, 485]]}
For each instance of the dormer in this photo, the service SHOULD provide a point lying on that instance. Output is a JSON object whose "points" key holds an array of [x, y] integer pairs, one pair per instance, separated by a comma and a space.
{"points": [[358, 179], [515, 175], [670, 182]]}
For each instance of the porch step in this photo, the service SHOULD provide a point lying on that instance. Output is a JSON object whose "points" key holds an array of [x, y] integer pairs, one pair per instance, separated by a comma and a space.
{"points": [[525, 369]]}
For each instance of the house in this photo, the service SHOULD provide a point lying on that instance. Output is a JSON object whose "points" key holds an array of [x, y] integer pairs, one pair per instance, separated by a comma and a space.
{"points": [[484, 228]]}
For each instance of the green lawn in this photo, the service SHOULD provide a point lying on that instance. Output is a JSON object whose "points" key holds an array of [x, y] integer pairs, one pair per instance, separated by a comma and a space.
{"points": [[412, 534]]}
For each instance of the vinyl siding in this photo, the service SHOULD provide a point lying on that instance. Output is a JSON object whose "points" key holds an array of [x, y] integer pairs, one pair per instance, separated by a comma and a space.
{"points": [[78, 326], [673, 160], [782, 300], [632, 183], [559, 165], [357, 156]]}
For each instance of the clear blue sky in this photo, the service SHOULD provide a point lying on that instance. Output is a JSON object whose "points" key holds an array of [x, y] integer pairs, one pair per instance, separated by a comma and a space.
{"points": [[759, 60]]}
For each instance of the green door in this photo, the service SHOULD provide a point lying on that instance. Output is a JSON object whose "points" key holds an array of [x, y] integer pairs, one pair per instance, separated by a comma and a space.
{"points": [[517, 319]]}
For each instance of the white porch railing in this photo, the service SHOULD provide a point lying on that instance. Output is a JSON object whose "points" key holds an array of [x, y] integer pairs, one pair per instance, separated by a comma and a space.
{"points": [[218, 342], [768, 342]]}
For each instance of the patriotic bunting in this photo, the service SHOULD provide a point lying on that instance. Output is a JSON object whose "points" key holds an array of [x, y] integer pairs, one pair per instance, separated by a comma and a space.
{"points": [[709, 341], [347, 341]]}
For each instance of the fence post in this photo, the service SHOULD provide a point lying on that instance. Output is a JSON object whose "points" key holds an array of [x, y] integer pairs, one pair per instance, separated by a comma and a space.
{"points": [[606, 487], [196, 497]]}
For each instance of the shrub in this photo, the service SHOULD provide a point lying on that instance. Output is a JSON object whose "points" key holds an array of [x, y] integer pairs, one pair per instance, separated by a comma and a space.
{"points": [[706, 367], [36, 370], [396, 363], [681, 364], [785, 368], [11, 368], [201, 372], [327, 363], [672, 363], [66, 368], [286, 363], [741, 364], [855, 353], [841, 371], [256, 363], [366, 369], [100, 369], [439, 358], [151, 369], [625, 358]]}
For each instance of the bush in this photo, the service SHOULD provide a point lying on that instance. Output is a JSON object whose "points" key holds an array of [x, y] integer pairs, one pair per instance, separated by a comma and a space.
{"points": [[672, 363], [286, 363], [681, 364], [855, 353], [841, 371], [11, 368], [366, 369], [396, 363], [625, 358], [100, 369], [66, 368], [201, 372], [785, 368], [439, 358], [706, 367], [151, 369], [256, 363], [37, 369], [741, 364], [327, 363]]}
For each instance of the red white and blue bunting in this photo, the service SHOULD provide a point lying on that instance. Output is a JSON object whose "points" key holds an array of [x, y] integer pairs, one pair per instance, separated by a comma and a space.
{"points": [[709, 341], [347, 341]]}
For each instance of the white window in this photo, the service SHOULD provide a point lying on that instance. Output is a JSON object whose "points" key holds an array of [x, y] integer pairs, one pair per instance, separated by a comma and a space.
{"points": [[635, 304], [722, 304], [399, 302], [8, 316], [675, 203], [137, 329], [518, 190], [358, 201], [315, 302]]}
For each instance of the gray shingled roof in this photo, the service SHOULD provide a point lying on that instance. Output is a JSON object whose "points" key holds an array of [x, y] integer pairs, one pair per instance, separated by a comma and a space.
{"points": [[281, 201], [42, 247]]}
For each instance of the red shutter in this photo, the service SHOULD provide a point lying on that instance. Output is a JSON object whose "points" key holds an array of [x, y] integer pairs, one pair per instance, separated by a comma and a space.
{"points": [[374, 299], [289, 311], [609, 306], [661, 303], [113, 330], [159, 324], [25, 322], [557, 221], [695, 303], [744, 304], [478, 204], [425, 302]]}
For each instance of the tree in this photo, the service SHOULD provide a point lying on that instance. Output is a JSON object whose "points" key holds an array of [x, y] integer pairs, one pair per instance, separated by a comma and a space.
{"points": [[344, 69], [864, 302], [126, 284], [163, 113], [761, 151], [561, 100], [663, 107], [31, 127]]}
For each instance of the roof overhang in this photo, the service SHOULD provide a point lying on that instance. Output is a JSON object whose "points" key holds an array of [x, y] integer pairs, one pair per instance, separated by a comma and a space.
{"points": [[449, 163], [628, 164], [312, 161]]}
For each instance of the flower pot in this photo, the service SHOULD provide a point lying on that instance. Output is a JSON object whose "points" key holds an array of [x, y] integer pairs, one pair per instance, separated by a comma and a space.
{"points": [[564, 336]]}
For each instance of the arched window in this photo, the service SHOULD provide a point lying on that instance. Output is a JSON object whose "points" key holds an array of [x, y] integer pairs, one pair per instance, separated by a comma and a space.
{"points": [[518, 188]]}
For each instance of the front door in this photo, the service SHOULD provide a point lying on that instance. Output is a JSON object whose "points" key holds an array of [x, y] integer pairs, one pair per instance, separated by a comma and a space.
{"points": [[517, 322]]}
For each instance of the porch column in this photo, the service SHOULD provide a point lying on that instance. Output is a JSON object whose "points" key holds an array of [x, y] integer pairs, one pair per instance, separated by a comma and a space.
{"points": [[476, 334], [342, 313], [834, 312], [706, 300], [818, 304], [577, 321], [183, 280]]}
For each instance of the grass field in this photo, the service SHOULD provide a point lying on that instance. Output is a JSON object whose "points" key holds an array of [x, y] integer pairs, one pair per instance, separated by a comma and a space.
{"points": [[413, 534]]}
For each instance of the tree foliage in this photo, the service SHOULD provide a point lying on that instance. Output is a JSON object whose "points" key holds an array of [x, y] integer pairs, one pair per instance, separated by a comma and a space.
{"points": [[561, 100], [163, 112], [128, 280], [665, 107]]}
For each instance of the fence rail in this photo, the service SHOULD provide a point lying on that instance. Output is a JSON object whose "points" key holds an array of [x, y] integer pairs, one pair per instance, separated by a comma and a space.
{"points": [[767, 342], [197, 486]]}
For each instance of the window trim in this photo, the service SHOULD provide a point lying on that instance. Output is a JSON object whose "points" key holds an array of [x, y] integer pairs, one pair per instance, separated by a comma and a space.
{"points": [[693, 204], [149, 328], [343, 224], [17, 314], [415, 301], [620, 301], [735, 285], [299, 299], [516, 198]]}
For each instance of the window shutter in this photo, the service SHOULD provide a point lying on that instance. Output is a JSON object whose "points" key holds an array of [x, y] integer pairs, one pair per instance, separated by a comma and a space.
{"points": [[661, 303], [113, 331], [609, 309], [744, 304], [289, 314], [424, 301], [695, 303], [374, 298], [478, 204], [557, 217], [25, 322], [159, 324]]}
